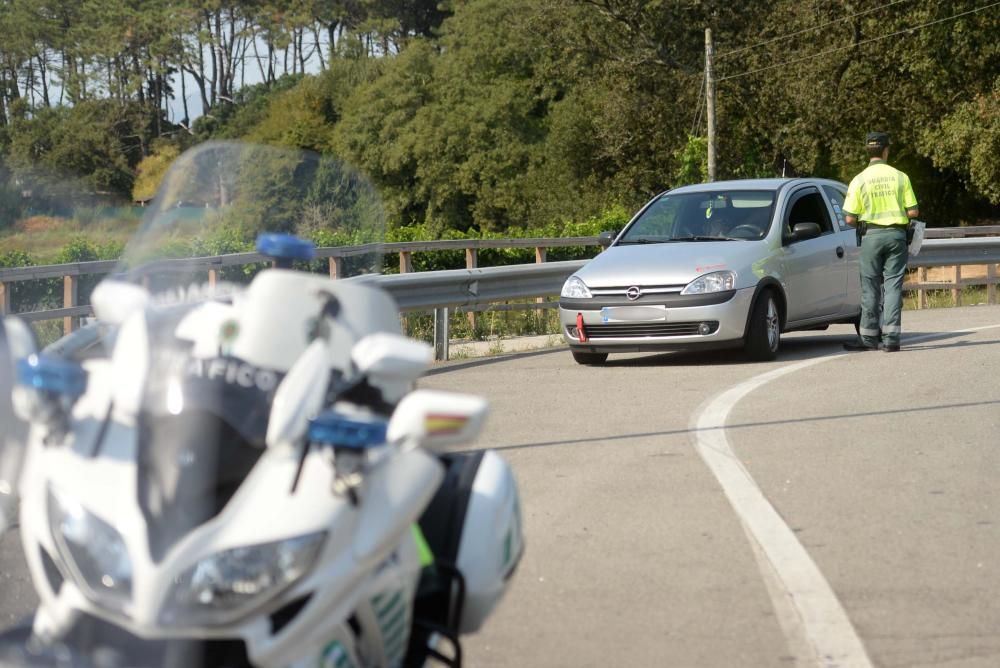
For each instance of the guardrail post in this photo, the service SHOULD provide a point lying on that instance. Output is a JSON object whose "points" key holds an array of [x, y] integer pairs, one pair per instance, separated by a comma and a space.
{"points": [[441, 334], [213, 277], [405, 262], [922, 291], [991, 284], [4, 299], [956, 292], [70, 298], [541, 254], [471, 262], [336, 267]]}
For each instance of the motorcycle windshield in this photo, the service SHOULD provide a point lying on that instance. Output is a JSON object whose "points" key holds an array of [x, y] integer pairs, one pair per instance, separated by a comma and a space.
{"points": [[205, 406], [218, 197]]}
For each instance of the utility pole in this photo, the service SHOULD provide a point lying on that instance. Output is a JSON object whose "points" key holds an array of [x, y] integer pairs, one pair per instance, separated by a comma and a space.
{"points": [[710, 101]]}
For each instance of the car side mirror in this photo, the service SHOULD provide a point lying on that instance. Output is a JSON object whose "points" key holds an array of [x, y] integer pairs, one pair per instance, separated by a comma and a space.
{"points": [[606, 238], [803, 231]]}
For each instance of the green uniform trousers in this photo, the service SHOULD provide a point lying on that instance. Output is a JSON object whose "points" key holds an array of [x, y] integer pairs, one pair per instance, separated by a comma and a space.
{"points": [[883, 267]]}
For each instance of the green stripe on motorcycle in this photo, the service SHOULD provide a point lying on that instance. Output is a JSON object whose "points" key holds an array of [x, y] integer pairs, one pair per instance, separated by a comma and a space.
{"points": [[390, 607], [394, 625], [423, 549]]}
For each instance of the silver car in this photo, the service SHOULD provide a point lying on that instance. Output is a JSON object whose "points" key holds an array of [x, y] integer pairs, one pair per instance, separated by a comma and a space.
{"points": [[725, 264]]}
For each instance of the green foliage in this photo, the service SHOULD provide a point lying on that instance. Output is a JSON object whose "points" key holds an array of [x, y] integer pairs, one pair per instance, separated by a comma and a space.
{"points": [[492, 116], [692, 161], [250, 105], [298, 118], [11, 205], [30, 295], [968, 141], [151, 170], [81, 249], [71, 153]]}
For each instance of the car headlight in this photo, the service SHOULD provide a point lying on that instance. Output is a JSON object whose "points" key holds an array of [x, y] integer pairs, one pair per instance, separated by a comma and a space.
{"points": [[228, 585], [717, 281], [92, 551], [574, 288]]}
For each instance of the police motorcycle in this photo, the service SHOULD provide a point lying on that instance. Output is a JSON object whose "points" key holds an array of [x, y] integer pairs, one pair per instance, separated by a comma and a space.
{"points": [[216, 474]]}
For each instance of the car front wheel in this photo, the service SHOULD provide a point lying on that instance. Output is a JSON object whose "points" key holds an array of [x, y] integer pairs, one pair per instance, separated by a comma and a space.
{"points": [[764, 329], [590, 359]]}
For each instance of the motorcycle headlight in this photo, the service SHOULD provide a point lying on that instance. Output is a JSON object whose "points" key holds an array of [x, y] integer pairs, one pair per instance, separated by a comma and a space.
{"points": [[717, 281], [92, 551], [228, 585], [574, 288]]}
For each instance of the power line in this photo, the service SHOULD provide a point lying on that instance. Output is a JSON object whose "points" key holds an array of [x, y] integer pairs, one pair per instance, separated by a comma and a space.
{"points": [[799, 32], [861, 43], [696, 124]]}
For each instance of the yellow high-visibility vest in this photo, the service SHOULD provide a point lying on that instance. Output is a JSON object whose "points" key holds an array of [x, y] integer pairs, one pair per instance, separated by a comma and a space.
{"points": [[880, 195]]}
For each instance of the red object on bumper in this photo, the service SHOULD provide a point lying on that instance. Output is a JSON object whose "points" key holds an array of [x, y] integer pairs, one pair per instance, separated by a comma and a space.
{"points": [[581, 333]]}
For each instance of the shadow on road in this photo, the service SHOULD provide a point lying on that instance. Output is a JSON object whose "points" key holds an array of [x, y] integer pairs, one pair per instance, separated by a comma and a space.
{"points": [[793, 349], [445, 367], [748, 425]]}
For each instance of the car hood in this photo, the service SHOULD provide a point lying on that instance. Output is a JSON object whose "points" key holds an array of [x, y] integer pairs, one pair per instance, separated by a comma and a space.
{"points": [[673, 263]]}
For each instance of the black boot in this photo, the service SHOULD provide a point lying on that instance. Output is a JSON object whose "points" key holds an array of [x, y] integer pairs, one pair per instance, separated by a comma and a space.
{"points": [[859, 346]]}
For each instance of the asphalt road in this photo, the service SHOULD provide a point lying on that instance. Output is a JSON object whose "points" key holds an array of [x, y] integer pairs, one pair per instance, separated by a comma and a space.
{"points": [[700, 510]]}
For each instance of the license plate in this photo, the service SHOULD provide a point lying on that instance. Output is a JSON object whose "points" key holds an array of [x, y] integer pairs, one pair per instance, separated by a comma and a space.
{"points": [[633, 313]]}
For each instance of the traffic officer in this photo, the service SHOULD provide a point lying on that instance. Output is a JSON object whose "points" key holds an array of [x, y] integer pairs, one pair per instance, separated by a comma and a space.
{"points": [[881, 201]]}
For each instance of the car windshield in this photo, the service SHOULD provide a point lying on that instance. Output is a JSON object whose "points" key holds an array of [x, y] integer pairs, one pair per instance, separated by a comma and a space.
{"points": [[703, 216]]}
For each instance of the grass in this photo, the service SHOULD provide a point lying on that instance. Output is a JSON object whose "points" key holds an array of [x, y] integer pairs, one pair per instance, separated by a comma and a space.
{"points": [[47, 331], [490, 325], [970, 296], [43, 237]]}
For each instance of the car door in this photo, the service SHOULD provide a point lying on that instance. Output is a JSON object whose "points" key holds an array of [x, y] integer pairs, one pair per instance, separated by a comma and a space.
{"points": [[814, 270], [836, 195]]}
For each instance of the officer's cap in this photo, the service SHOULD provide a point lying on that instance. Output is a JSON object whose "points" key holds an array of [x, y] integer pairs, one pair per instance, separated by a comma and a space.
{"points": [[877, 139]]}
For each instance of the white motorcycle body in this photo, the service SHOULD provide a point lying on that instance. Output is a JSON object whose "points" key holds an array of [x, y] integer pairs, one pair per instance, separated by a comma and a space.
{"points": [[312, 556]]}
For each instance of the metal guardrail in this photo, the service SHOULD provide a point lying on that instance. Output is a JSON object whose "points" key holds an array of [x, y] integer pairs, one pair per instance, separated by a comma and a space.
{"points": [[71, 273], [470, 287], [474, 287], [962, 232]]}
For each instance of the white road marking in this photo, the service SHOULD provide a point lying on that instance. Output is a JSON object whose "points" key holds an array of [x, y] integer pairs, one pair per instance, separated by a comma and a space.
{"points": [[814, 622]]}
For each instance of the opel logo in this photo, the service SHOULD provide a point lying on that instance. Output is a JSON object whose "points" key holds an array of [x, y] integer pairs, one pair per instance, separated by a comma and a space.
{"points": [[633, 293]]}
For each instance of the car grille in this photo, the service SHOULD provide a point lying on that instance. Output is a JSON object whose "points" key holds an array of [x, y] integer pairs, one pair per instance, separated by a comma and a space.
{"points": [[630, 330], [647, 290]]}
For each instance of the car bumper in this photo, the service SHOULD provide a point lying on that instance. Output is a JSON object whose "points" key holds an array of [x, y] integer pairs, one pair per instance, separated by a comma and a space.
{"points": [[611, 327]]}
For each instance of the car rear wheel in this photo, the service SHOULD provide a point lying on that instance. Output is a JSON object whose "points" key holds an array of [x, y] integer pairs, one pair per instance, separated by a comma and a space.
{"points": [[590, 359], [764, 329]]}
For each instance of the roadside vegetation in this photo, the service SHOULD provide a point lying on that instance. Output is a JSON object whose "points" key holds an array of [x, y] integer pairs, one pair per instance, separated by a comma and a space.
{"points": [[482, 118]]}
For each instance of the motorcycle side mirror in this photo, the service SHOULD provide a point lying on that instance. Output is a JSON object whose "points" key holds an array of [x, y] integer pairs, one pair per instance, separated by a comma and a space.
{"points": [[300, 396], [16, 341], [435, 419], [391, 362], [114, 301]]}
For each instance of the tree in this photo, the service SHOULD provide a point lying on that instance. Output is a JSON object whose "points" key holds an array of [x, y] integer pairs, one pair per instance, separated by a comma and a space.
{"points": [[67, 152]]}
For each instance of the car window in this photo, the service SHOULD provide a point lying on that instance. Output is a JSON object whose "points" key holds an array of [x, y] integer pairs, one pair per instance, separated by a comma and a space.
{"points": [[808, 207], [722, 215], [657, 220], [837, 197]]}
